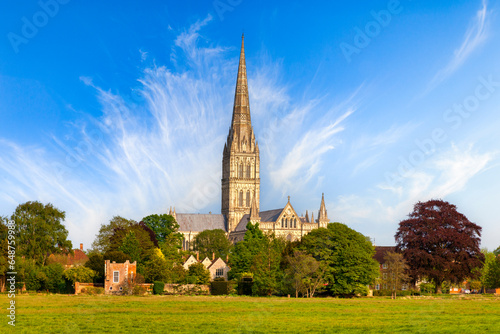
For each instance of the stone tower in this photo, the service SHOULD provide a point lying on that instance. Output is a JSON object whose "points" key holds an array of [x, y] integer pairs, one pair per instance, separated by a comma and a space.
{"points": [[240, 159]]}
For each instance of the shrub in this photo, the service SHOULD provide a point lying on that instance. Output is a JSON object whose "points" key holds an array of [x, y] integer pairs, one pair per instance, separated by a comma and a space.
{"points": [[138, 290], [222, 287], [158, 287]]}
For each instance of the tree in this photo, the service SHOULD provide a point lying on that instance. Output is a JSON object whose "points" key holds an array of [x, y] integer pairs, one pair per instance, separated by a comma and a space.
{"points": [[304, 273], [490, 274], [345, 255], [96, 263], [131, 246], [156, 269], [266, 266], [162, 225], [199, 273], [245, 251], [214, 242], [396, 272], [117, 256], [80, 274], [102, 242], [3, 247], [40, 232], [440, 243]]}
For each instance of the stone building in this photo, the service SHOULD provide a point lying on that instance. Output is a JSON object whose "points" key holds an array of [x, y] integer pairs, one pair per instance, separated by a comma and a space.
{"points": [[119, 277], [217, 267], [241, 184]]}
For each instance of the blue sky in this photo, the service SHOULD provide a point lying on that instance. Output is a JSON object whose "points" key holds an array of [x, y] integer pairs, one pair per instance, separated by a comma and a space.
{"points": [[122, 108]]}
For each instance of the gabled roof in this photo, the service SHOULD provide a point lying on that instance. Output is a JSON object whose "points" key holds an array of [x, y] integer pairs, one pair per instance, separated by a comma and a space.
{"points": [[380, 252], [200, 222], [215, 261]]}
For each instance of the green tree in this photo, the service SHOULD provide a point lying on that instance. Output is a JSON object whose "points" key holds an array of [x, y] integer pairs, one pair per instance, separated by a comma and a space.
{"points": [[117, 256], [156, 269], [345, 255], [304, 273], [96, 263], [80, 274], [266, 266], [40, 231], [244, 252], [102, 242], [199, 273], [3, 246], [55, 281], [131, 246], [490, 273], [162, 225], [214, 242], [397, 272]]}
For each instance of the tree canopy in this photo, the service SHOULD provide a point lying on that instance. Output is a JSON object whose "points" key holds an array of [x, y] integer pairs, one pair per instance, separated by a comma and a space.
{"points": [[345, 255], [40, 231], [162, 225], [102, 242], [439, 243], [214, 242]]}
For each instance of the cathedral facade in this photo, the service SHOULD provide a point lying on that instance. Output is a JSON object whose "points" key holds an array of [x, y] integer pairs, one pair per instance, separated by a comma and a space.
{"points": [[241, 184]]}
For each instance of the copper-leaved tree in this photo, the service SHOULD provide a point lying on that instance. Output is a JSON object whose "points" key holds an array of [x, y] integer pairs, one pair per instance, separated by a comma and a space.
{"points": [[439, 243]]}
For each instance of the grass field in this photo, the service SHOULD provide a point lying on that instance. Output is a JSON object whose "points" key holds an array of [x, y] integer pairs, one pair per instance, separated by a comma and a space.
{"points": [[171, 314]]}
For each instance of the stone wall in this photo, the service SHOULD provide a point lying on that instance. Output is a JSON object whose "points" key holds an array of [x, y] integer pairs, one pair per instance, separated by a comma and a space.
{"points": [[179, 289]]}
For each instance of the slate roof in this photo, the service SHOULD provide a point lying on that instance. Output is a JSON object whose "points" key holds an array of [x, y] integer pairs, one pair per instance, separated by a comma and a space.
{"points": [[200, 222], [380, 252], [265, 216]]}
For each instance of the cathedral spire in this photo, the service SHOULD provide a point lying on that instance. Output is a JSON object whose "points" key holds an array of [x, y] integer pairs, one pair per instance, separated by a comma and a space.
{"points": [[241, 109], [322, 209]]}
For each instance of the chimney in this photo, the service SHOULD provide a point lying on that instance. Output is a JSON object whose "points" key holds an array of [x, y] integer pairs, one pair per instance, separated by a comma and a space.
{"points": [[213, 256], [198, 256], [227, 258], [81, 247]]}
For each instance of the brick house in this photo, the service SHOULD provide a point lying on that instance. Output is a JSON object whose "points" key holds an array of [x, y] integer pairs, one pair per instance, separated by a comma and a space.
{"points": [[216, 267], [119, 277], [78, 258]]}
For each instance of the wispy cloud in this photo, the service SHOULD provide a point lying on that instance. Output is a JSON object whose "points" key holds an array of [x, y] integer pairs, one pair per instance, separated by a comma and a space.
{"points": [[474, 36]]}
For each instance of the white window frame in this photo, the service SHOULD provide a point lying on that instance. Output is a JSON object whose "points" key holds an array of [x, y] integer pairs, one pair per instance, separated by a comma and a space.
{"points": [[219, 272], [116, 279]]}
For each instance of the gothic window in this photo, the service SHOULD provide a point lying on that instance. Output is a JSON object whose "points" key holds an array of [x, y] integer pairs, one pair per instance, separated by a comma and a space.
{"points": [[248, 198], [286, 222], [241, 199], [282, 223], [295, 223], [240, 170], [248, 171]]}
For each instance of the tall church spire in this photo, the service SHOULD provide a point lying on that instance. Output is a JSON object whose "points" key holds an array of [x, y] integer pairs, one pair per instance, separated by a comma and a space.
{"points": [[240, 158], [241, 109], [322, 214]]}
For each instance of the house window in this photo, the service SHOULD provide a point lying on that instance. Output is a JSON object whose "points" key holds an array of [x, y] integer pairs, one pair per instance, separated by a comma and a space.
{"points": [[384, 266], [286, 222], [116, 276], [248, 198], [219, 272], [384, 275], [282, 223], [295, 223], [121, 288], [377, 287], [110, 288]]}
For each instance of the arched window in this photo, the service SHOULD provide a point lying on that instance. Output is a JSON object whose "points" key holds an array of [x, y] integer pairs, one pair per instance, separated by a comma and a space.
{"points": [[248, 198], [241, 198], [240, 170], [282, 223], [295, 223], [286, 222], [248, 171]]}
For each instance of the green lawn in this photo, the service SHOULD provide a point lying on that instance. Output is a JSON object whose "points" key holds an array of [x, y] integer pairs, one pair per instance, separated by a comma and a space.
{"points": [[171, 314]]}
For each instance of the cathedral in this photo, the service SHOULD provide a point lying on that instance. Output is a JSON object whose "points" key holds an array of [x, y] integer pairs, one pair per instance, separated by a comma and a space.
{"points": [[241, 185]]}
